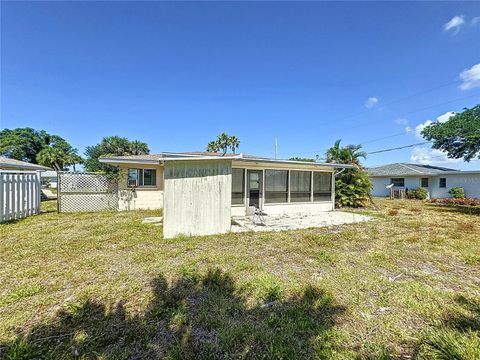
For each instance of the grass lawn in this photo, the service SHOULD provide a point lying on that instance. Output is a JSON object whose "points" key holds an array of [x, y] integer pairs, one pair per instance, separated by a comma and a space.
{"points": [[103, 285]]}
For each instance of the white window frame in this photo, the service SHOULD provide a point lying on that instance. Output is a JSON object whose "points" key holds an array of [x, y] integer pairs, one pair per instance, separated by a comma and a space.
{"points": [[137, 180]]}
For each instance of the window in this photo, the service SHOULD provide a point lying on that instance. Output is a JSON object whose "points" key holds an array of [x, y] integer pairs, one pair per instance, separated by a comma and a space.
{"points": [[300, 185], [443, 182], [276, 186], [238, 186], [142, 177], [398, 182], [322, 186], [425, 182]]}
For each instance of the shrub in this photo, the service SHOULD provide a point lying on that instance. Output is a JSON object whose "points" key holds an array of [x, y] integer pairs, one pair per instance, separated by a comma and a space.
{"points": [[457, 192], [454, 201], [352, 188], [419, 194]]}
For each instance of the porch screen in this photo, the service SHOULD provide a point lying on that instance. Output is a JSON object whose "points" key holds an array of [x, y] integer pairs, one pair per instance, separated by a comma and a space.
{"points": [[300, 185], [238, 181], [276, 186], [322, 186]]}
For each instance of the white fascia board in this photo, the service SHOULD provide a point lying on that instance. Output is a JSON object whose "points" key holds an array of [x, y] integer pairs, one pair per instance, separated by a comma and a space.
{"points": [[294, 162], [128, 161]]}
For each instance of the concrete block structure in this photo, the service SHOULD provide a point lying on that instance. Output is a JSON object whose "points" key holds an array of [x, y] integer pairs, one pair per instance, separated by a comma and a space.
{"points": [[200, 192]]}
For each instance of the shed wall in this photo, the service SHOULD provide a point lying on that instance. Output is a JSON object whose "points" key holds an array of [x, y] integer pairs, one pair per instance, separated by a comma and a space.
{"points": [[197, 197]]}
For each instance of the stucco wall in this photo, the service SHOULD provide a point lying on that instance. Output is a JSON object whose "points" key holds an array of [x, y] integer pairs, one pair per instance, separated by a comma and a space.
{"points": [[197, 197], [141, 197], [470, 182], [411, 182]]}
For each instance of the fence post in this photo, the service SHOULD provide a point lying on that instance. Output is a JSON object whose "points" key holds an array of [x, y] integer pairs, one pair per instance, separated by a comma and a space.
{"points": [[2, 197]]}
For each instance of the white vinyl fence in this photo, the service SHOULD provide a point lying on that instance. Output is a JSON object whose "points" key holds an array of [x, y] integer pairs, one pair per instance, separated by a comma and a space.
{"points": [[19, 194]]}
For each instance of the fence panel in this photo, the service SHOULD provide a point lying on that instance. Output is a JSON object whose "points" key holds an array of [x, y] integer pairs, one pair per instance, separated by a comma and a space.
{"points": [[19, 194], [86, 192]]}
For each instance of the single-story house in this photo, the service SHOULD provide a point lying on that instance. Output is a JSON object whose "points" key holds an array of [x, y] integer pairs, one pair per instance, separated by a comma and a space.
{"points": [[200, 191], [49, 179], [17, 165], [437, 180]]}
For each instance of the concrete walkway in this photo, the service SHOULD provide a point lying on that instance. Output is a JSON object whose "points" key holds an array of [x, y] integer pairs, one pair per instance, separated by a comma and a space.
{"points": [[295, 221]]}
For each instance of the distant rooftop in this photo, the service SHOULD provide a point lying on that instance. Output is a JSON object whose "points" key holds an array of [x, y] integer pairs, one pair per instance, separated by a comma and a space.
{"points": [[406, 169], [7, 163]]}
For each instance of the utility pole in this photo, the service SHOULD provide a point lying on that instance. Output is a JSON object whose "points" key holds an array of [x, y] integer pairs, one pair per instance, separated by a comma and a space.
{"points": [[276, 149]]}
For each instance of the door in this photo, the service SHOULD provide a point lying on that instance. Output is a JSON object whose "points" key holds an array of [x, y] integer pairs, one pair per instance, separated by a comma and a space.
{"points": [[254, 181]]}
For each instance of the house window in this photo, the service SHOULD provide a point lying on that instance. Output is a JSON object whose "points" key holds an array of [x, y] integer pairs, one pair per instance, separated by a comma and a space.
{"points": [[322, 186], [425, 182], [443, 182], [300, 185], [276, 186], [142, 177], [238, 186], [397, 182]]}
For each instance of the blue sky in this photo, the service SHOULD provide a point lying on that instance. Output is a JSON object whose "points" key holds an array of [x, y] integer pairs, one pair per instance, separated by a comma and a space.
{"points": [[177, 74]]}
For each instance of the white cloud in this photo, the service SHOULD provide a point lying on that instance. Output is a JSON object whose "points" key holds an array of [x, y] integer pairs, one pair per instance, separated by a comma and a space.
{"points": [[401, 121], [371, 102], [470, 77], [476, 20], [425, 155], [442, 118], [454, 24], [408, 129]]}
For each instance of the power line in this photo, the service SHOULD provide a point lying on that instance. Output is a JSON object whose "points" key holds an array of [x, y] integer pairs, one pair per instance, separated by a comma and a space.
{"points": [[398, 148]]}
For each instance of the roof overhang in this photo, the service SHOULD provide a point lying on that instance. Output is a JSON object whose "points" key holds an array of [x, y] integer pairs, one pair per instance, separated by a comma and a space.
{"points": [[118, 161], [25, 167]]}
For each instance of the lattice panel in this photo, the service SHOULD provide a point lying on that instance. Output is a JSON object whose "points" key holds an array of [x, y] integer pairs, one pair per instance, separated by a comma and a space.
{"points": [[86, 192]]}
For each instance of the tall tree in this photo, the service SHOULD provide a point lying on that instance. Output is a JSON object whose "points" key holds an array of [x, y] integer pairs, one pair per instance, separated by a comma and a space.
{"points": [[37, 147], [223, 143], [459, 136], [112, 146], [352, 186]]}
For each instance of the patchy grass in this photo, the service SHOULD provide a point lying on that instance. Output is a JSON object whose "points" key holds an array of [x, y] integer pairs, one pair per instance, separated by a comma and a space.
{"points": [[104, 285]]}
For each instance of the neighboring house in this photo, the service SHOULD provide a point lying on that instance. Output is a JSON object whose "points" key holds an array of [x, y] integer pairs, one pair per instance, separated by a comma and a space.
{"points": [[199, 192], [17, 165], [49, 179], [437, 180]]}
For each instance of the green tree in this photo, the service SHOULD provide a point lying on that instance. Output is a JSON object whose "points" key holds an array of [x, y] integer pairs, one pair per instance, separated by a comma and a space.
{"points": [[459, 136], [22, 143], [37, 147], [352, 186], [223, 143], [112, 146]]}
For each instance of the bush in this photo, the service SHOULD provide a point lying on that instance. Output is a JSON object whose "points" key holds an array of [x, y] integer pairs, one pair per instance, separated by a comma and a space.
{"points": [[419, 194], [352, 188], [457, 192], [454, 201]]}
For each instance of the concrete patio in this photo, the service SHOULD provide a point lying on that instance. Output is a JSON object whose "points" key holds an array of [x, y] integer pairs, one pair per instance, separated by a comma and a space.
{"points": [[294, 221]]}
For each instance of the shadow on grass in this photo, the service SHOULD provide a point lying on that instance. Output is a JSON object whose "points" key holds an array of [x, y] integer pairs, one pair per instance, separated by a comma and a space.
{"points": [[198, 316], [456, 336], [470, 210]]}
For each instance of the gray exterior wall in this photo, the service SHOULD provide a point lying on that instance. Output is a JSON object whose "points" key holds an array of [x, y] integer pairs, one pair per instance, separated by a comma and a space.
{"points": [[470, 182], [197, 197]]}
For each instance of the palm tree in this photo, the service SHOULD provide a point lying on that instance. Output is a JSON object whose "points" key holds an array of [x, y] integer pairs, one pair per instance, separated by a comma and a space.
{"points": [[73, 158], [234, 143], [349, 154], [52, 157], [212, 146], [223, 142]]}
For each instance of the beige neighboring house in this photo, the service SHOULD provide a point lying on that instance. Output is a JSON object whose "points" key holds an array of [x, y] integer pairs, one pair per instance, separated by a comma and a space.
{"points": [[200, 191], [17, 165]]}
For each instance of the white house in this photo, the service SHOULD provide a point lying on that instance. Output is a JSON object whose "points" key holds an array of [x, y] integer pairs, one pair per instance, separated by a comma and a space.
{"points": [[437, 180], [200, 192]]}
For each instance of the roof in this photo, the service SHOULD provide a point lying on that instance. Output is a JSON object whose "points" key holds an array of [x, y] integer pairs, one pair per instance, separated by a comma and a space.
{"points": [[406, 169], [199, 155], [21, 165]]}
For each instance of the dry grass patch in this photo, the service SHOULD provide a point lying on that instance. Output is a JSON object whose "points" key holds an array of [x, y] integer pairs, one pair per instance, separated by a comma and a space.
{"points": [[105, 285]]}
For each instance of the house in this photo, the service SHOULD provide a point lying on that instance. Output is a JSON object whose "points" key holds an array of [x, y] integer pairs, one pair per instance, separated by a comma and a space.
{"points": [[200, 192], [437, 180], [17, 165], [49, 179]]}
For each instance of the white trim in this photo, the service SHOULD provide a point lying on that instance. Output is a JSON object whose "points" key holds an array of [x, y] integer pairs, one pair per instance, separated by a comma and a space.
{"points": [[128, 161]]}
